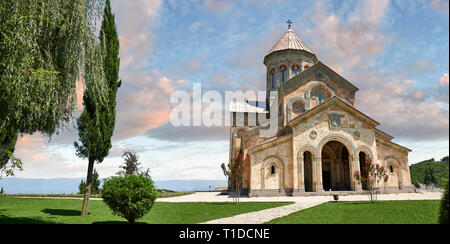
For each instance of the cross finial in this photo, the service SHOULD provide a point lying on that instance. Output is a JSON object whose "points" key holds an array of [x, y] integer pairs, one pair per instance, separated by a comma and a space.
{"points": [[289, 23]]}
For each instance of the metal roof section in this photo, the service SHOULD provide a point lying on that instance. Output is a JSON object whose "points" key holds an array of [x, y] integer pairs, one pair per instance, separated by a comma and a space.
{"points": [[290, 40], [246, 107]]}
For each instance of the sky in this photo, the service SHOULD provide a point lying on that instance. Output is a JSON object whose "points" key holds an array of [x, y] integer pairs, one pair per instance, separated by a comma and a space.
{"points": [[395, 52]]}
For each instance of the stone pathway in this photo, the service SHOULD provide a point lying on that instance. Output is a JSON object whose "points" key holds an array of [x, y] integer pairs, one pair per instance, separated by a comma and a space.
{"points": [[263, 216]]}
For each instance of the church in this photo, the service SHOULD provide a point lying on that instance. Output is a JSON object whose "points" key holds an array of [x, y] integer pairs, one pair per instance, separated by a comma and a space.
{"points": [[321, 139]]}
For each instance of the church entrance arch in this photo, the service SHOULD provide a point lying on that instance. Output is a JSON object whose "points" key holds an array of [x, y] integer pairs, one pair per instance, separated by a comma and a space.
{"points": [[335, 167]]}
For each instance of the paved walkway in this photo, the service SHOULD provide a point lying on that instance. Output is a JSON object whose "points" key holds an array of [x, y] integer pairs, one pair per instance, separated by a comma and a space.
{"points": [[300, 203]]}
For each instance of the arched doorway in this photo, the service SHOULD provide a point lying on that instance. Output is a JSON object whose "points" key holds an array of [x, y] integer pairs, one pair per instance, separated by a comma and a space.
{"points": [[307, 157], [335, 167]]}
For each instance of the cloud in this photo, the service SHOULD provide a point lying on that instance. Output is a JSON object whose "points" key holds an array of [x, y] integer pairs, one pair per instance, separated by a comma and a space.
{"points": [[217, 5], [440, 5], [406, 110], [35, 152], [168, 132], [348, 41], [444, 79], [144, 103], [135, 20]]}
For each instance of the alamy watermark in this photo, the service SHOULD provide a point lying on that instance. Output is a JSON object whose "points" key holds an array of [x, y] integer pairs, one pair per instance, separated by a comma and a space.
{"points": [[212, 108]]}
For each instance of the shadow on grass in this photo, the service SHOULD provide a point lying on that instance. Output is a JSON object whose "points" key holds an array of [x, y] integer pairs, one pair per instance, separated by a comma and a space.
{"points": [[116, 222], [221, 203], [22, 220], [357, 203], [61, 212]]}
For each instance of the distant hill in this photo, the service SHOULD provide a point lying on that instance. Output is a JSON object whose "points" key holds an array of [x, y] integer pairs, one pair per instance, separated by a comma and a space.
{"points": [[70, 185], [430, 171]]}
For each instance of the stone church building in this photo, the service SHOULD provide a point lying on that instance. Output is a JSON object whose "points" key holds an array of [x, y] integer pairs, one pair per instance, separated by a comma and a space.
{"points": [[322, 137]]}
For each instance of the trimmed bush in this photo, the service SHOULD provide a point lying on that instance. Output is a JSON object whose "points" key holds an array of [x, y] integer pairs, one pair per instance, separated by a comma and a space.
{"points": [[443, 215], [129, 196]]}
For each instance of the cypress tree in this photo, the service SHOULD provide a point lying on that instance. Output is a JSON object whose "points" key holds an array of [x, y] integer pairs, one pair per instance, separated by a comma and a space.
{"points": [[96, 123]]}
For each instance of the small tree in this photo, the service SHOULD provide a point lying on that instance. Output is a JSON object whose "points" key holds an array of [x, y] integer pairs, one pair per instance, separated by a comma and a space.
{"points": [[370, 176], [443, 214], [234, 176], [82, 187], [95, 184], [429, 177], [131, 163], [226, 173], [129, 196]]}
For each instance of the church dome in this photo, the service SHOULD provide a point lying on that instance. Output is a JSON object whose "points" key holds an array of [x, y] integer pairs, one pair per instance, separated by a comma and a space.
{"points": [[290, 40]]}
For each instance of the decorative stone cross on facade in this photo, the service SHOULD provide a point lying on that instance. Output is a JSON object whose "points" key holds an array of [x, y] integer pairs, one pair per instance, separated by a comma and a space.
{"points": [[289, 23]]}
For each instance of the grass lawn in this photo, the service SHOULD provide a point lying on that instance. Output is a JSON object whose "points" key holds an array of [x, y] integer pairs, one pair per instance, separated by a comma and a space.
{"points": [[382, 212], [67, 211]]}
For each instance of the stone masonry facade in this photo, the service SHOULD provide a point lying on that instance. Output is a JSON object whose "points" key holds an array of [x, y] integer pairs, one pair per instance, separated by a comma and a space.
{"points": [[322, 138]]}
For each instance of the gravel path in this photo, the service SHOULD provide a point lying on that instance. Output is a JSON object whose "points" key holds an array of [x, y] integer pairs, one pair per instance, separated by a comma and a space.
{"points": [[300, 203]]}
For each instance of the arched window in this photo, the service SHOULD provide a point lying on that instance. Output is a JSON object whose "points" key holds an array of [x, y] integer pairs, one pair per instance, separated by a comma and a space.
{"points": [[321, 94], [283, 71], [391, 169], [272, 169], [272, 73], [295, 68], [298, 107]]}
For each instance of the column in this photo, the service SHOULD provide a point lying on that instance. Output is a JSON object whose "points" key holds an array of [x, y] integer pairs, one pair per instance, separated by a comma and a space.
{"points": [[294, 171], [317, 174], [300, 174], [354, 186], [334, 168]]}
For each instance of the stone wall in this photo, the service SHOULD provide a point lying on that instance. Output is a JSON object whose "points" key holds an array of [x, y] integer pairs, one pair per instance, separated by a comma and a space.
{"points": [[398, 158], [278, 153]]}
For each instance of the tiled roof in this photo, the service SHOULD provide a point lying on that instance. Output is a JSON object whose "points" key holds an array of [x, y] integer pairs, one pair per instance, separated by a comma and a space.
{"points": [[290, 40]]}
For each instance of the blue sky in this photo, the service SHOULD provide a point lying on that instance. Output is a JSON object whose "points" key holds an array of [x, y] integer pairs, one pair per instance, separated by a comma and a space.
{"points": [[396, 52]]}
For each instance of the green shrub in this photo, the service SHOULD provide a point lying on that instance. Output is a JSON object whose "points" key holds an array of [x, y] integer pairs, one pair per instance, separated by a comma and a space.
{"points": [[129, 196], [443, 215]]}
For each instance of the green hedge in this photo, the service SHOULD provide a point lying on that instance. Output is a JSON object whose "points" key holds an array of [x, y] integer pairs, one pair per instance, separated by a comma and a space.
{"points": [[443, 215]]}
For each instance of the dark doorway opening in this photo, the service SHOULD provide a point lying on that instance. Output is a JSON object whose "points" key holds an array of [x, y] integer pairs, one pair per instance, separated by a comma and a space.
{"points": [[307, 157], [362, 168]]}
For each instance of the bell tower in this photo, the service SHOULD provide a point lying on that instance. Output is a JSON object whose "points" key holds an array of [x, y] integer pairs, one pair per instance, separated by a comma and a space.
{"points": [[288, 57]]}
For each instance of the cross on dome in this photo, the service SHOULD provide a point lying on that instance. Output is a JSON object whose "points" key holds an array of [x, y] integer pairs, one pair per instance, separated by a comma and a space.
{"points": [[289, 23]]}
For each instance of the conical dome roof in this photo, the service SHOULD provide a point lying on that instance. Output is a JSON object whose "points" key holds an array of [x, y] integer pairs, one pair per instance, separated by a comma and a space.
{"points": [[290, 40]]}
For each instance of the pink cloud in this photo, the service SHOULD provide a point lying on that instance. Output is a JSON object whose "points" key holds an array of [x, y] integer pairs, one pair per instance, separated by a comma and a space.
{"points": [[143, 102], [440, 5], [444, 79], [31, 149], [134, 22]]}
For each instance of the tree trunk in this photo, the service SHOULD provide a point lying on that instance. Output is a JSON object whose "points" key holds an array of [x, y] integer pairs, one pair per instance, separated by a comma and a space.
{"points": [[87, 192]]}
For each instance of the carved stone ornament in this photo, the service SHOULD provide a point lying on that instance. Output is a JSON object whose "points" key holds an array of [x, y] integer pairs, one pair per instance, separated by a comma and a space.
{"points": [[313, 134], [334, 120], [319, 75], [356, 134]]}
